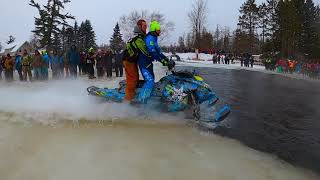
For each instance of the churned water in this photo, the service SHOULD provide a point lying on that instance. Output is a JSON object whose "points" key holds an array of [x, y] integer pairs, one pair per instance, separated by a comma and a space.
{"points": [[55, 131]]}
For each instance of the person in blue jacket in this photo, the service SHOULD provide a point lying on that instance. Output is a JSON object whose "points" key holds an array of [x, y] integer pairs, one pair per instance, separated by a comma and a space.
{"points": [[74, 60], [45, 66], [56, 63], [145, 62], [18, 65]]}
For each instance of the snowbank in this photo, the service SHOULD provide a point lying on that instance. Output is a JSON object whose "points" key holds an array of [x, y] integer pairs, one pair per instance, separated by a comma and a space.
{"points": [[188, 59]]}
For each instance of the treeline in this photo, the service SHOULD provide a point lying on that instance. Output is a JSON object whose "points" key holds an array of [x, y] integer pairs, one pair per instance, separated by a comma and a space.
{"points": [[52, 30], [288, 28]]}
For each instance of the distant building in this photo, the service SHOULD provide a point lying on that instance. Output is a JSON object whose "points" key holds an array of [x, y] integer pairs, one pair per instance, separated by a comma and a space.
{"points": [[15, 47]]}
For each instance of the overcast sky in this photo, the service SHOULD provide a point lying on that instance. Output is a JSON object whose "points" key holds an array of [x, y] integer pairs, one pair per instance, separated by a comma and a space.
{"points": [[17, 17]]}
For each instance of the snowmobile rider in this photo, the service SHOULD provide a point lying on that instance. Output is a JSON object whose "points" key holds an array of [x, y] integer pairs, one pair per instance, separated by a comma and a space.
{"points": [[135, 50], [145, 62]]}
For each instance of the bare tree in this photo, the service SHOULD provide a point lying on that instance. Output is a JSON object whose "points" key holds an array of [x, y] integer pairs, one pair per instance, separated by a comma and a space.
{"points": [[128, 22], [34, 41], [198, 18]]}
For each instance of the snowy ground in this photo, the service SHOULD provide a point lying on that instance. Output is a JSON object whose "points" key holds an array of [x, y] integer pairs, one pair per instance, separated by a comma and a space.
{"points": [[188, 59]]}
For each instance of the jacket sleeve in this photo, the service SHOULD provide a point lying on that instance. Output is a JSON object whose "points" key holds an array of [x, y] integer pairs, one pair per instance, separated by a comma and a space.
{"points": [[61, 59], [153, 48], [159, 50], [142, 46]]}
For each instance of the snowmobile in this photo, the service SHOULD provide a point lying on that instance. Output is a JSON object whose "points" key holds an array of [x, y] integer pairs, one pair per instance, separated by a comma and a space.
{"points": [[178, 91]]}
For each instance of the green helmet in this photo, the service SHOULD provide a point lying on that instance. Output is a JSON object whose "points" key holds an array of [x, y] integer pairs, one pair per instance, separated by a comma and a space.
{"points": [[154, 26], [91, 50]]}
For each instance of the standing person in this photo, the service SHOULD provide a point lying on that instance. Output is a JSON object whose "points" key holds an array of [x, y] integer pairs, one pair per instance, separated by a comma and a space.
{"points": [[56, 63], [61, 68], [251, 61], [108, 61], [214, 58], [8, 68], [227, 59], [100, 63], [66, 67], [241, 60], [222, 58], [246, 59], [145, 63], [134, 50], [74, 60], [45, 66], [82, 63], [232, 59], [118, 64], [18, 65], [91, 63], [26, 66], [37, 65]]}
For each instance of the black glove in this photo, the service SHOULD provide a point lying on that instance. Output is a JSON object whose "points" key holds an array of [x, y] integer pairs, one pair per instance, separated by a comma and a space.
{"points": [[165, 61], [171, 64]]}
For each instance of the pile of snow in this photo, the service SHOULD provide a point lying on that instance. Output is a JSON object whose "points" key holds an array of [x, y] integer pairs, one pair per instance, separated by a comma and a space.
{"points": [[205, 60]]}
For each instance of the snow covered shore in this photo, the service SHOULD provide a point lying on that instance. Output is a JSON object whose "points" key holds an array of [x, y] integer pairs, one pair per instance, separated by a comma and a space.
{"points": [[188, 59]]}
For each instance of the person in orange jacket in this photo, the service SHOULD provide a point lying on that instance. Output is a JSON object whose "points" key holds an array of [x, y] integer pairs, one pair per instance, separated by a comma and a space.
{"points": [[131, 66]]}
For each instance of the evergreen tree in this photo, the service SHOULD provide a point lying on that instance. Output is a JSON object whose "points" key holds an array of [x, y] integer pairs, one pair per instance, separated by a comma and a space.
{"points": [[116, 42], [86, 36], [226, 40], [56, 42], [206, 40], [290, 22], [63, 38], [248, 20], [50, 20], [218, 40], [310, 36], [241, 42], [272, 25], [268, 24], [69, 38], [76, 33], [298, 27], [316, 52], [264, 18]]}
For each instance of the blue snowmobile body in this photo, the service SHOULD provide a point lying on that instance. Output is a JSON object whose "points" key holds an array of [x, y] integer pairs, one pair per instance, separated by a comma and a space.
{"points": [[175, 92]]}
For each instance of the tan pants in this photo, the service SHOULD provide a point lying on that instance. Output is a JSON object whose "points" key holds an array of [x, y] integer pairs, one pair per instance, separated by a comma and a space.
{"points": [[26, 71]]}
